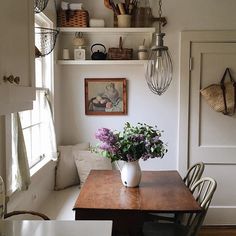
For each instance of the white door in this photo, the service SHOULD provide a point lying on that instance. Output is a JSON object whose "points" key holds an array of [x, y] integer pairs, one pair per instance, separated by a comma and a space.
{"points": [[212, 135]]}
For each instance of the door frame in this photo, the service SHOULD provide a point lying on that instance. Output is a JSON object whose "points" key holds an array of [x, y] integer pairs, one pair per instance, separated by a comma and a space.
{"points": [[187, 38]]}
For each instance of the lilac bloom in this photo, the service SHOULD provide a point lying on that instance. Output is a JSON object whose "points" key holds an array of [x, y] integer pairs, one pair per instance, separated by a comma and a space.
{"points": [[105, 146], [105, 135], [155, 139]]}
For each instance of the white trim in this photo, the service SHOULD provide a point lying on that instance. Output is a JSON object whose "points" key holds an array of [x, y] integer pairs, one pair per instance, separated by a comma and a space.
{"points": [[43, 20], [40, 165], [187, 38], [222, 207], [102, 62], [8, 140], [106, 30]]}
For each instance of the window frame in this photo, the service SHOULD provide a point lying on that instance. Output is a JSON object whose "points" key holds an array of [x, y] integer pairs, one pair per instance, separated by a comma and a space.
{"points": [[43, 21]]}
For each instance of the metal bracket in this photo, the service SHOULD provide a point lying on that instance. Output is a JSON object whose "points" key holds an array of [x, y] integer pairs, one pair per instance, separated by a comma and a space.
{"points": [[161, 19]]}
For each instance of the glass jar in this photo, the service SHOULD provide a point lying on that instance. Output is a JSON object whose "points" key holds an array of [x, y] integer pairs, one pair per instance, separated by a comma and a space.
{"points": [[142, 53], [142, 15]]}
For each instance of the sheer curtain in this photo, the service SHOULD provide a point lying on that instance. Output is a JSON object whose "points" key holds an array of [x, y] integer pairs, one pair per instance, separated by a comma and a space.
{"points": [[52, 145], [18, 176]]}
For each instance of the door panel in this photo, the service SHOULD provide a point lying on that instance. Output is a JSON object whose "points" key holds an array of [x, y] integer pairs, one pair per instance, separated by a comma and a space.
{"points": [[212, 135]]}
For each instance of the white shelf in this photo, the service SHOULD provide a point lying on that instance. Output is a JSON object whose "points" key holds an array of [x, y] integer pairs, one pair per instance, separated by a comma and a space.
{"points": [[102, 62], [106, 30]]}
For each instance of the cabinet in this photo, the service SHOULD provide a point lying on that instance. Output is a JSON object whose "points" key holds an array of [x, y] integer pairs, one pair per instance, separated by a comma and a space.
{"points": [[132, 38], [16, 55]]}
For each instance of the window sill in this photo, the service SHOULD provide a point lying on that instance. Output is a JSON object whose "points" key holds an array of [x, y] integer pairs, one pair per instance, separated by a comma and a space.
{"points": [[39, 166]]}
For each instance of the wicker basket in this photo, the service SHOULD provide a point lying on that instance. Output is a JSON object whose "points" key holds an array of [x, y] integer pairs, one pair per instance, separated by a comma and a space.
{"points": [[76, 18], [120, 53]]}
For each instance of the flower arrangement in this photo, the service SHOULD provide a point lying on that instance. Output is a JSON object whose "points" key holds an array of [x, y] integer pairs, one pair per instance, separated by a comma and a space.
{"points": [[135, 142]]}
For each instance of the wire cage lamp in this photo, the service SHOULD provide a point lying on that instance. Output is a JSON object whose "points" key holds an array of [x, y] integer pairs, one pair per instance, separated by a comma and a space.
{"points": [[45, 40], [159, 68], [40, 5]]}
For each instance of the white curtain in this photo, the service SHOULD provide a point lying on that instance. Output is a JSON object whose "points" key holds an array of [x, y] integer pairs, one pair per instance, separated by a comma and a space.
{"points": [[20, 168], [51, 150], [2, 198], [18, 176]]}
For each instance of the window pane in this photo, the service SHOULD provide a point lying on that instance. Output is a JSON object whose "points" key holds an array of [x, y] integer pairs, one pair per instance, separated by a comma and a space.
{"points": [[36, 144], [28, 144], [25, 118], [39, 72], [35, 111]]}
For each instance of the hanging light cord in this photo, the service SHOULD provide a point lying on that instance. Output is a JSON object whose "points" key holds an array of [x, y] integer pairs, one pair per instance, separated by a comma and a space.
{"points": [[159, 68], [160, 15]]}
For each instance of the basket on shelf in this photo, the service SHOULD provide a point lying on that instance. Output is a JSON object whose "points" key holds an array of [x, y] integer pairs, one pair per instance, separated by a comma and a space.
{"points": [[120, 53], [45, 40], [40, 5], [73, 18]]}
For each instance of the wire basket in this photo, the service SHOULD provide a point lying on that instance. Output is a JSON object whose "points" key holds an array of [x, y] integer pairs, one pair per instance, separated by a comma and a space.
{"points": [[40, 5], [45, 40]]}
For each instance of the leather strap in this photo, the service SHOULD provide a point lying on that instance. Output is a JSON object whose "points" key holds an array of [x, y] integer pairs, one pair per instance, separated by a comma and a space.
{"points": [[222, 84]]}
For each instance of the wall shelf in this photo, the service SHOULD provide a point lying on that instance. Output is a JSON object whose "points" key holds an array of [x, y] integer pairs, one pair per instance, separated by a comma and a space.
{"points": [[106, 30], [133, 37], [102, 62]]}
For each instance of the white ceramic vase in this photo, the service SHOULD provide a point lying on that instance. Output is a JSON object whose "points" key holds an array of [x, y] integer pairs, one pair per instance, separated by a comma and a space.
{"points": [[131, 174]]}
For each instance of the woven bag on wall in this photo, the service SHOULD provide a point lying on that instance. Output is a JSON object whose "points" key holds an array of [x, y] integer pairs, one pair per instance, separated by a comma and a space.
{"points": [[221, 97]]}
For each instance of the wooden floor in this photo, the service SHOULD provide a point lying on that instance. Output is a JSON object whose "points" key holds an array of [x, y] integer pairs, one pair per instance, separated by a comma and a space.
{"points": [[218, 231]]}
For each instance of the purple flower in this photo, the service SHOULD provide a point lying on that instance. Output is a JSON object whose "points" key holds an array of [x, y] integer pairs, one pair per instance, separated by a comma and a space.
{"points": [[138, 138], [130, 158], [114, 150], [155, 139], [146, 156], [104, 146], [135, 142], [105, 135]]}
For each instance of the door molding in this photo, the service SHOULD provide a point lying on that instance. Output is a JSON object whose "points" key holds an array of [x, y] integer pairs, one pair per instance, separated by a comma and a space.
{"points": [[187, 38]]}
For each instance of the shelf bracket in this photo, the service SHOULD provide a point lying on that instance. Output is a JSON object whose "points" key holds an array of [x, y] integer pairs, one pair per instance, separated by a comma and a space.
{"points": [[161, 19]]}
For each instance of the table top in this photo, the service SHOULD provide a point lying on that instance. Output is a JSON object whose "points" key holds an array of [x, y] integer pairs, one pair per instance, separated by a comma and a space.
{"points": [[55, 228], [159, 191]]}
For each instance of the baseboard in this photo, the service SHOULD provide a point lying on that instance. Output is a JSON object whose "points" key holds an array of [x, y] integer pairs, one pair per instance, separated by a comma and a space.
{"points": [[221, 215], [219, 227]]}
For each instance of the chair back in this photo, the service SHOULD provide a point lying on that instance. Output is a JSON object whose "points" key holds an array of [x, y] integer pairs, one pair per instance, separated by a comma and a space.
{"points": [[203, 191], [2, 198], [3, 215], [194, 173]]}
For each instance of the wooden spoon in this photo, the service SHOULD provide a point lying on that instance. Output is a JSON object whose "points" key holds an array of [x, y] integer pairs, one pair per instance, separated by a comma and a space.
{"points": [[107, 4]]}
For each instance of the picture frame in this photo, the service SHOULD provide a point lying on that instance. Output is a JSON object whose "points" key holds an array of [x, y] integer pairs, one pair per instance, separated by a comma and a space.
{"points": [[105, 96]]}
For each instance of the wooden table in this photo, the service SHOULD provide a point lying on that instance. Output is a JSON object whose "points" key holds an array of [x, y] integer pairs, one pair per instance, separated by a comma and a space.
{"points": [[103, 197]]}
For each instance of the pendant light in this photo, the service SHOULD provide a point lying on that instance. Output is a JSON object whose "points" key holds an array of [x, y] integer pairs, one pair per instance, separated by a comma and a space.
{"points": [[159, 67]]}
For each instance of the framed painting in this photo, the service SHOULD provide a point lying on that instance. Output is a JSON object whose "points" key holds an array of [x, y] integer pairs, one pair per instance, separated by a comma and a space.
{"points": [[106, 96]]}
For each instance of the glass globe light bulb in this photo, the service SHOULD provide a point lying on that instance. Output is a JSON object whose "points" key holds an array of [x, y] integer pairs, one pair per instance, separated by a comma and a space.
{"points": [[159, 67]]}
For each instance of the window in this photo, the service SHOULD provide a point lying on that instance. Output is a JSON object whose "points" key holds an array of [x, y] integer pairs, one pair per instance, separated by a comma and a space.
{"points": [[37, 133], [34, 121]]}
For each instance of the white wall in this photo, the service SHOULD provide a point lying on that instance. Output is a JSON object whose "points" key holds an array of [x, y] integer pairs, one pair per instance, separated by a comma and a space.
{"points": [[143, 106]]}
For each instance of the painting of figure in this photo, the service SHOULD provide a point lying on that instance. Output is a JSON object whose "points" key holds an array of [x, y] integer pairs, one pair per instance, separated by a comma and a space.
{"points": [[105, 97]]}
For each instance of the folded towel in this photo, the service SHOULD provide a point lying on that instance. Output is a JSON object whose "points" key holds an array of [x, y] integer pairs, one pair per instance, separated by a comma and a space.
{"points": [[76, 6], [96, 23], [71, 6], [64, 5]]}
